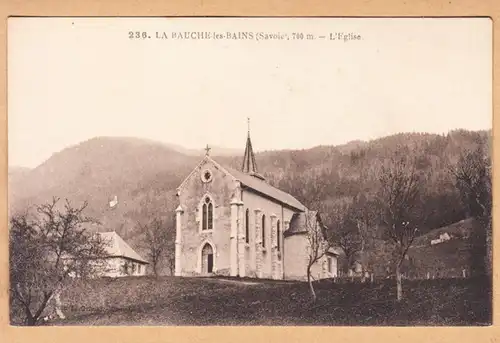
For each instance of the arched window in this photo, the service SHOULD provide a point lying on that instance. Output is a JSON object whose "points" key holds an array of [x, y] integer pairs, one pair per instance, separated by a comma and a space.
{"points": [[263, 231], [247, 226], [204, 217], [207, 214], [210, 216], [278, 236]]}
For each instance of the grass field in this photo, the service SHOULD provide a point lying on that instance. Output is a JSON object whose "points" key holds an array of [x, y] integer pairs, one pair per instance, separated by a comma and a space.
{"points": [[197, 301]]}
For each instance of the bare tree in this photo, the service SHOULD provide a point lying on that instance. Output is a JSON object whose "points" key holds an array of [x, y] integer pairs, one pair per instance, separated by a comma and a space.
{"points": [[352, 224], [473, 180], [398, 202], [157, 239], [362, 213], [318, 245], [126, 268], [45, 250], [171, 261], [345, 232]]}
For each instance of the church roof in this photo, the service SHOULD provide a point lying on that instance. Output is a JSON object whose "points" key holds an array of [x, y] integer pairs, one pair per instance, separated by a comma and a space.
{"points": [[250, 178], [117, 247], [261, 186], [298, 226], [298, 223], [254, 182]]}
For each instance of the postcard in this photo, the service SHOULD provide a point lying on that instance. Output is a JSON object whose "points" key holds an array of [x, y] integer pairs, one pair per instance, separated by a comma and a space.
{"points": [[250, 171]]}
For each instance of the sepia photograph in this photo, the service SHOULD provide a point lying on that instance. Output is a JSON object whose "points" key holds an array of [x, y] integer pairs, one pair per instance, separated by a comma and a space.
{"points": [[250, 171]]}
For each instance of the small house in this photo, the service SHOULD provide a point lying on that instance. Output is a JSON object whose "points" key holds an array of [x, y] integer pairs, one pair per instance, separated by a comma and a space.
{"points": [[121, 259]]}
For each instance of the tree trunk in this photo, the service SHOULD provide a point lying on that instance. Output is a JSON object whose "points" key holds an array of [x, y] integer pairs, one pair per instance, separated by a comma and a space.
{"points": [[155, 272], [29, 320], [43, 305], [58, 305], [349, 264], [399, 285], [311, 287]]}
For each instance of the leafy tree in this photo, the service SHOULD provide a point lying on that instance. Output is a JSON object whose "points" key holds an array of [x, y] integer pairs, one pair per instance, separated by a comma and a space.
{"points": [[47, 248]]}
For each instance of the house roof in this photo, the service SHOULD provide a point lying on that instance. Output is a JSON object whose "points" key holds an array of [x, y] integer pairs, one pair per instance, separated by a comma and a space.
{"points": [[117, 247], [261, 186]]}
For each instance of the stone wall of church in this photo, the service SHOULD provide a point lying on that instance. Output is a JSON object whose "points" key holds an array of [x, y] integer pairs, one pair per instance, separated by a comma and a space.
{"points": [[296, 262], [258, 261], [221, 190]]}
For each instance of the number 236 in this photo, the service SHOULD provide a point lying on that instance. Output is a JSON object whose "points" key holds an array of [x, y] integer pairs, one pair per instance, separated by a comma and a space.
{"points": [[137, 34]]}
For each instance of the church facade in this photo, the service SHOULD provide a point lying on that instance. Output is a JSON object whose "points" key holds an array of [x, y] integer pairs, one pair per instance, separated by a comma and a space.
{"points": [[234, 223]]}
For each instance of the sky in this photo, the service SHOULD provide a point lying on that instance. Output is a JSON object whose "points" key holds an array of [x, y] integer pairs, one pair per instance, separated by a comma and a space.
{"points": [[72, 79]]}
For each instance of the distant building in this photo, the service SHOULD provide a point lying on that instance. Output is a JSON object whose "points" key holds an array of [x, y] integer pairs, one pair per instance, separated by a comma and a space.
{"points": [[113, 202], [233, 222], [121, 259], [355, 269], [442, 238]]}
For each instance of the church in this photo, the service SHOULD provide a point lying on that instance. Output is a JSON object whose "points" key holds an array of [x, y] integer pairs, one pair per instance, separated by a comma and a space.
{"points": [[234, 223]]}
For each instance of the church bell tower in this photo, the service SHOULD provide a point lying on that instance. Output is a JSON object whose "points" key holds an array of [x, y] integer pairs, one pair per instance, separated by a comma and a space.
{"points": [[249, 165]]}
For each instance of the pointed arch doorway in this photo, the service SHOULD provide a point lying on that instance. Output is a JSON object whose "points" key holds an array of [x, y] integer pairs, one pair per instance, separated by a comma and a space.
{"points": [[207, 259]]}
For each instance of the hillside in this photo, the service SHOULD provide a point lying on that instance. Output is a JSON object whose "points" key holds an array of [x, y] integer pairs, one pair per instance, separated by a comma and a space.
{"points": [[144, 174], [15, 174], [459, 230], [214, 151], [449, 258], [335, 173], [138, 172]]}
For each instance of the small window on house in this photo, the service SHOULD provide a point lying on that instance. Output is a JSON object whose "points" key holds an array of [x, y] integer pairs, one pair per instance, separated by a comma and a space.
{"points": [[263, 231], [125, 268], [133, 267], [247, 226], [278, 235], [139, 269], [207, 214]]}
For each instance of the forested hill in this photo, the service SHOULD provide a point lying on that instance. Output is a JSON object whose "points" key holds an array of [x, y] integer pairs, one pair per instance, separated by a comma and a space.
{"points": [[144, 175], [333, 174]]}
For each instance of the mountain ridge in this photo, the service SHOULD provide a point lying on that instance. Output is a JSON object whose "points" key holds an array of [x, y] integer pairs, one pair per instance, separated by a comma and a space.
{"points": [[144, 174]]}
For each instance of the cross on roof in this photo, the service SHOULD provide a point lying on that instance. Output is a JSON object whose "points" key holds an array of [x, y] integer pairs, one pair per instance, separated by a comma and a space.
{"points": [[207, 150]]}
